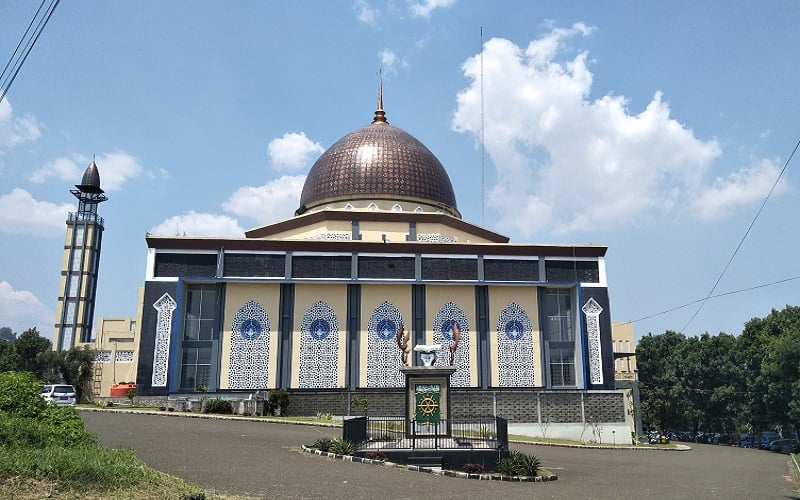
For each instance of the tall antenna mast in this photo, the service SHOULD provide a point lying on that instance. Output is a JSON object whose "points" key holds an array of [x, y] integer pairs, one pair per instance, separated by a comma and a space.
{"points": [[483, 166]]}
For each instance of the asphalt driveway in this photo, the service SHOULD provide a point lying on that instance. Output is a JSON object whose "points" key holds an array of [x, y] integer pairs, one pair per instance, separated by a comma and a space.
{"points": [[264, 460]]}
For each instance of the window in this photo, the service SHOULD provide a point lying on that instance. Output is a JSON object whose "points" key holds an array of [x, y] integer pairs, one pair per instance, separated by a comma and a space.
{"points": [[79, 233], [199, 336], [199, 319], [77, 259], [72, 285], [559, 336], [562, 366], [558, 315], [195, 367], [69, 317]]}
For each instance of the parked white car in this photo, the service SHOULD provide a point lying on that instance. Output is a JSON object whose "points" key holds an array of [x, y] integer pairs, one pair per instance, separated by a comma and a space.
{"points": [[59, 394]]}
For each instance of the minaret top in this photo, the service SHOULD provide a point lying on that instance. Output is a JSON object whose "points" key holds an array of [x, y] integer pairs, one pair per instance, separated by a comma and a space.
{"points": [[380, 114], [90, 182]]}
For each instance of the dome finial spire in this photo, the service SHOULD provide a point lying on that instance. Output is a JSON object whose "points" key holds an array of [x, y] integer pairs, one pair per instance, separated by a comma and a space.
{"points": [[380, 115]]}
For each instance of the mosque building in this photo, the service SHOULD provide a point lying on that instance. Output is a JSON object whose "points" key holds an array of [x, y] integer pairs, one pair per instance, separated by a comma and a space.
{"points": [[329, 304]]}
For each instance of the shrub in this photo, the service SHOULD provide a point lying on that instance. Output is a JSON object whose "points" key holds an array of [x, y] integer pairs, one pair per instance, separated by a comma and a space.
{"points": [[219, 405], [342, 446], [131, 394], [278, 400], [375, 455], [519, 464], [66, 426], [474, 468], [19, 394], [323, 444], [56, 426], [361, 403]]}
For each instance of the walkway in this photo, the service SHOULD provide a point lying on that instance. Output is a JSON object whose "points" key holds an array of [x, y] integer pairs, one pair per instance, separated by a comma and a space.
{"points": [[264, 460]]}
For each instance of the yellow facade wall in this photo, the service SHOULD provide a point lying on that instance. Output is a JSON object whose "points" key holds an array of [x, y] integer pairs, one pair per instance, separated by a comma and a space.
{"points": [[303, 233], [527, 298], [464, 297], [371, 297], [374, 231], [236, 295], [335, 295], [449, 232]]}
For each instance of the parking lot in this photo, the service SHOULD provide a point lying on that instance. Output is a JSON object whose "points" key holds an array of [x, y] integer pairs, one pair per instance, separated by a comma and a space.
{"points": [[264, 460]]}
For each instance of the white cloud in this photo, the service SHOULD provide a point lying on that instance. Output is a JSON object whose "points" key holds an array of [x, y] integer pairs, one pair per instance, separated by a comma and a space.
{"points": [[746, 186], [425, 7], [21, 310], [61, 168], [566, 163], [390, 61], [293, 151], [114, 168], [199, 224], [117, 168], [276, 200], [365, 13], [20, 213], [15, 130]]}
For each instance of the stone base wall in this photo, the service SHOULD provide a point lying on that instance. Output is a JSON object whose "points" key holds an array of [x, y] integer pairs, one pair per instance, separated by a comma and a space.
{"points": [[524, 405]]}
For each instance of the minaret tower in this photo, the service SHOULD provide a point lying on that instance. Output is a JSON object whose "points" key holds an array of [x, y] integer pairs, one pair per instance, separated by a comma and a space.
{"points": [[75, 310]]}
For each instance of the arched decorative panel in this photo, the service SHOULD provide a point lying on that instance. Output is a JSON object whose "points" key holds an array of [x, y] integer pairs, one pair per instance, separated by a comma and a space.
{"points": [[514, 347], [166, 307], [250, 333], [443, 322], [383, 354], [319, 347]]}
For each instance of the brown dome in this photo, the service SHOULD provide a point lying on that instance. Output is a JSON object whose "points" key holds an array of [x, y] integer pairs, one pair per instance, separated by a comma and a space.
{"points": [[90, 182], [376, 162]]}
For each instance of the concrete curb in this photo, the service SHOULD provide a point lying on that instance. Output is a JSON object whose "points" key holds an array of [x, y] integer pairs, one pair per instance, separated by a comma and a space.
{"points": [[677, 447], [429, 470], [212, 416], [795, 469]]}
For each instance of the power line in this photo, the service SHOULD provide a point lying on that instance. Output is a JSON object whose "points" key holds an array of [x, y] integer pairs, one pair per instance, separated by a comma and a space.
{"points": [[744, 237], [24, 47], [483, 146], [741, 290]]}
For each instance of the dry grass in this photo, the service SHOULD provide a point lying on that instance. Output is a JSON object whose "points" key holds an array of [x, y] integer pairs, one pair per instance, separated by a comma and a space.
{"points": [[164, 486]]}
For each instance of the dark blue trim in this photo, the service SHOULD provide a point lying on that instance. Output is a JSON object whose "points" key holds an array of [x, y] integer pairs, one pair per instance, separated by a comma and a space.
{"points": [[583, 345], [353, 352], [174, 340]]}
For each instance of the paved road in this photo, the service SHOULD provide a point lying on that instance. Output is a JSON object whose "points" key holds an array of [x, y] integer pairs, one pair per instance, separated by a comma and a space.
{"points": [[264, 460]]}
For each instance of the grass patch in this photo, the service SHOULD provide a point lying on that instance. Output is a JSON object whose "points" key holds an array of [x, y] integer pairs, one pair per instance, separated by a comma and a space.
{"points": [[46, 452], [87, 471], [536, 440], [161, 486]]}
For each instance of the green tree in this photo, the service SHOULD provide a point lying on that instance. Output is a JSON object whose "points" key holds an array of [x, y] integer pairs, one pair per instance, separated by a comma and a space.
{"points": [[19, 395], [7, 334], [76, 367], [780, 369], [769, 357], [26, 353], [710, 381], [658, 378], [5, 356]]}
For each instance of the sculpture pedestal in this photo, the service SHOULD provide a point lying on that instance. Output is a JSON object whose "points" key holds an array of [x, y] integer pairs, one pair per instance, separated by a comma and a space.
{"points": [[428, 399]]}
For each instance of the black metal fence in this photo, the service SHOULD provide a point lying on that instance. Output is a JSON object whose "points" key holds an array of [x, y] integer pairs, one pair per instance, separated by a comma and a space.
{"points": [[400, 433]]}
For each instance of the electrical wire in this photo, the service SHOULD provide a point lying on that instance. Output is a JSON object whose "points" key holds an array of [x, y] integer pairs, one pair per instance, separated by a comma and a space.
{"points": [[26, 43], [741, 290], [741, 242]]}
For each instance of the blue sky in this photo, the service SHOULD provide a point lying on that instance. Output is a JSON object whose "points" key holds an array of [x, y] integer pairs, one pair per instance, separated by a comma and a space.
{"points": [[656, 129]]}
